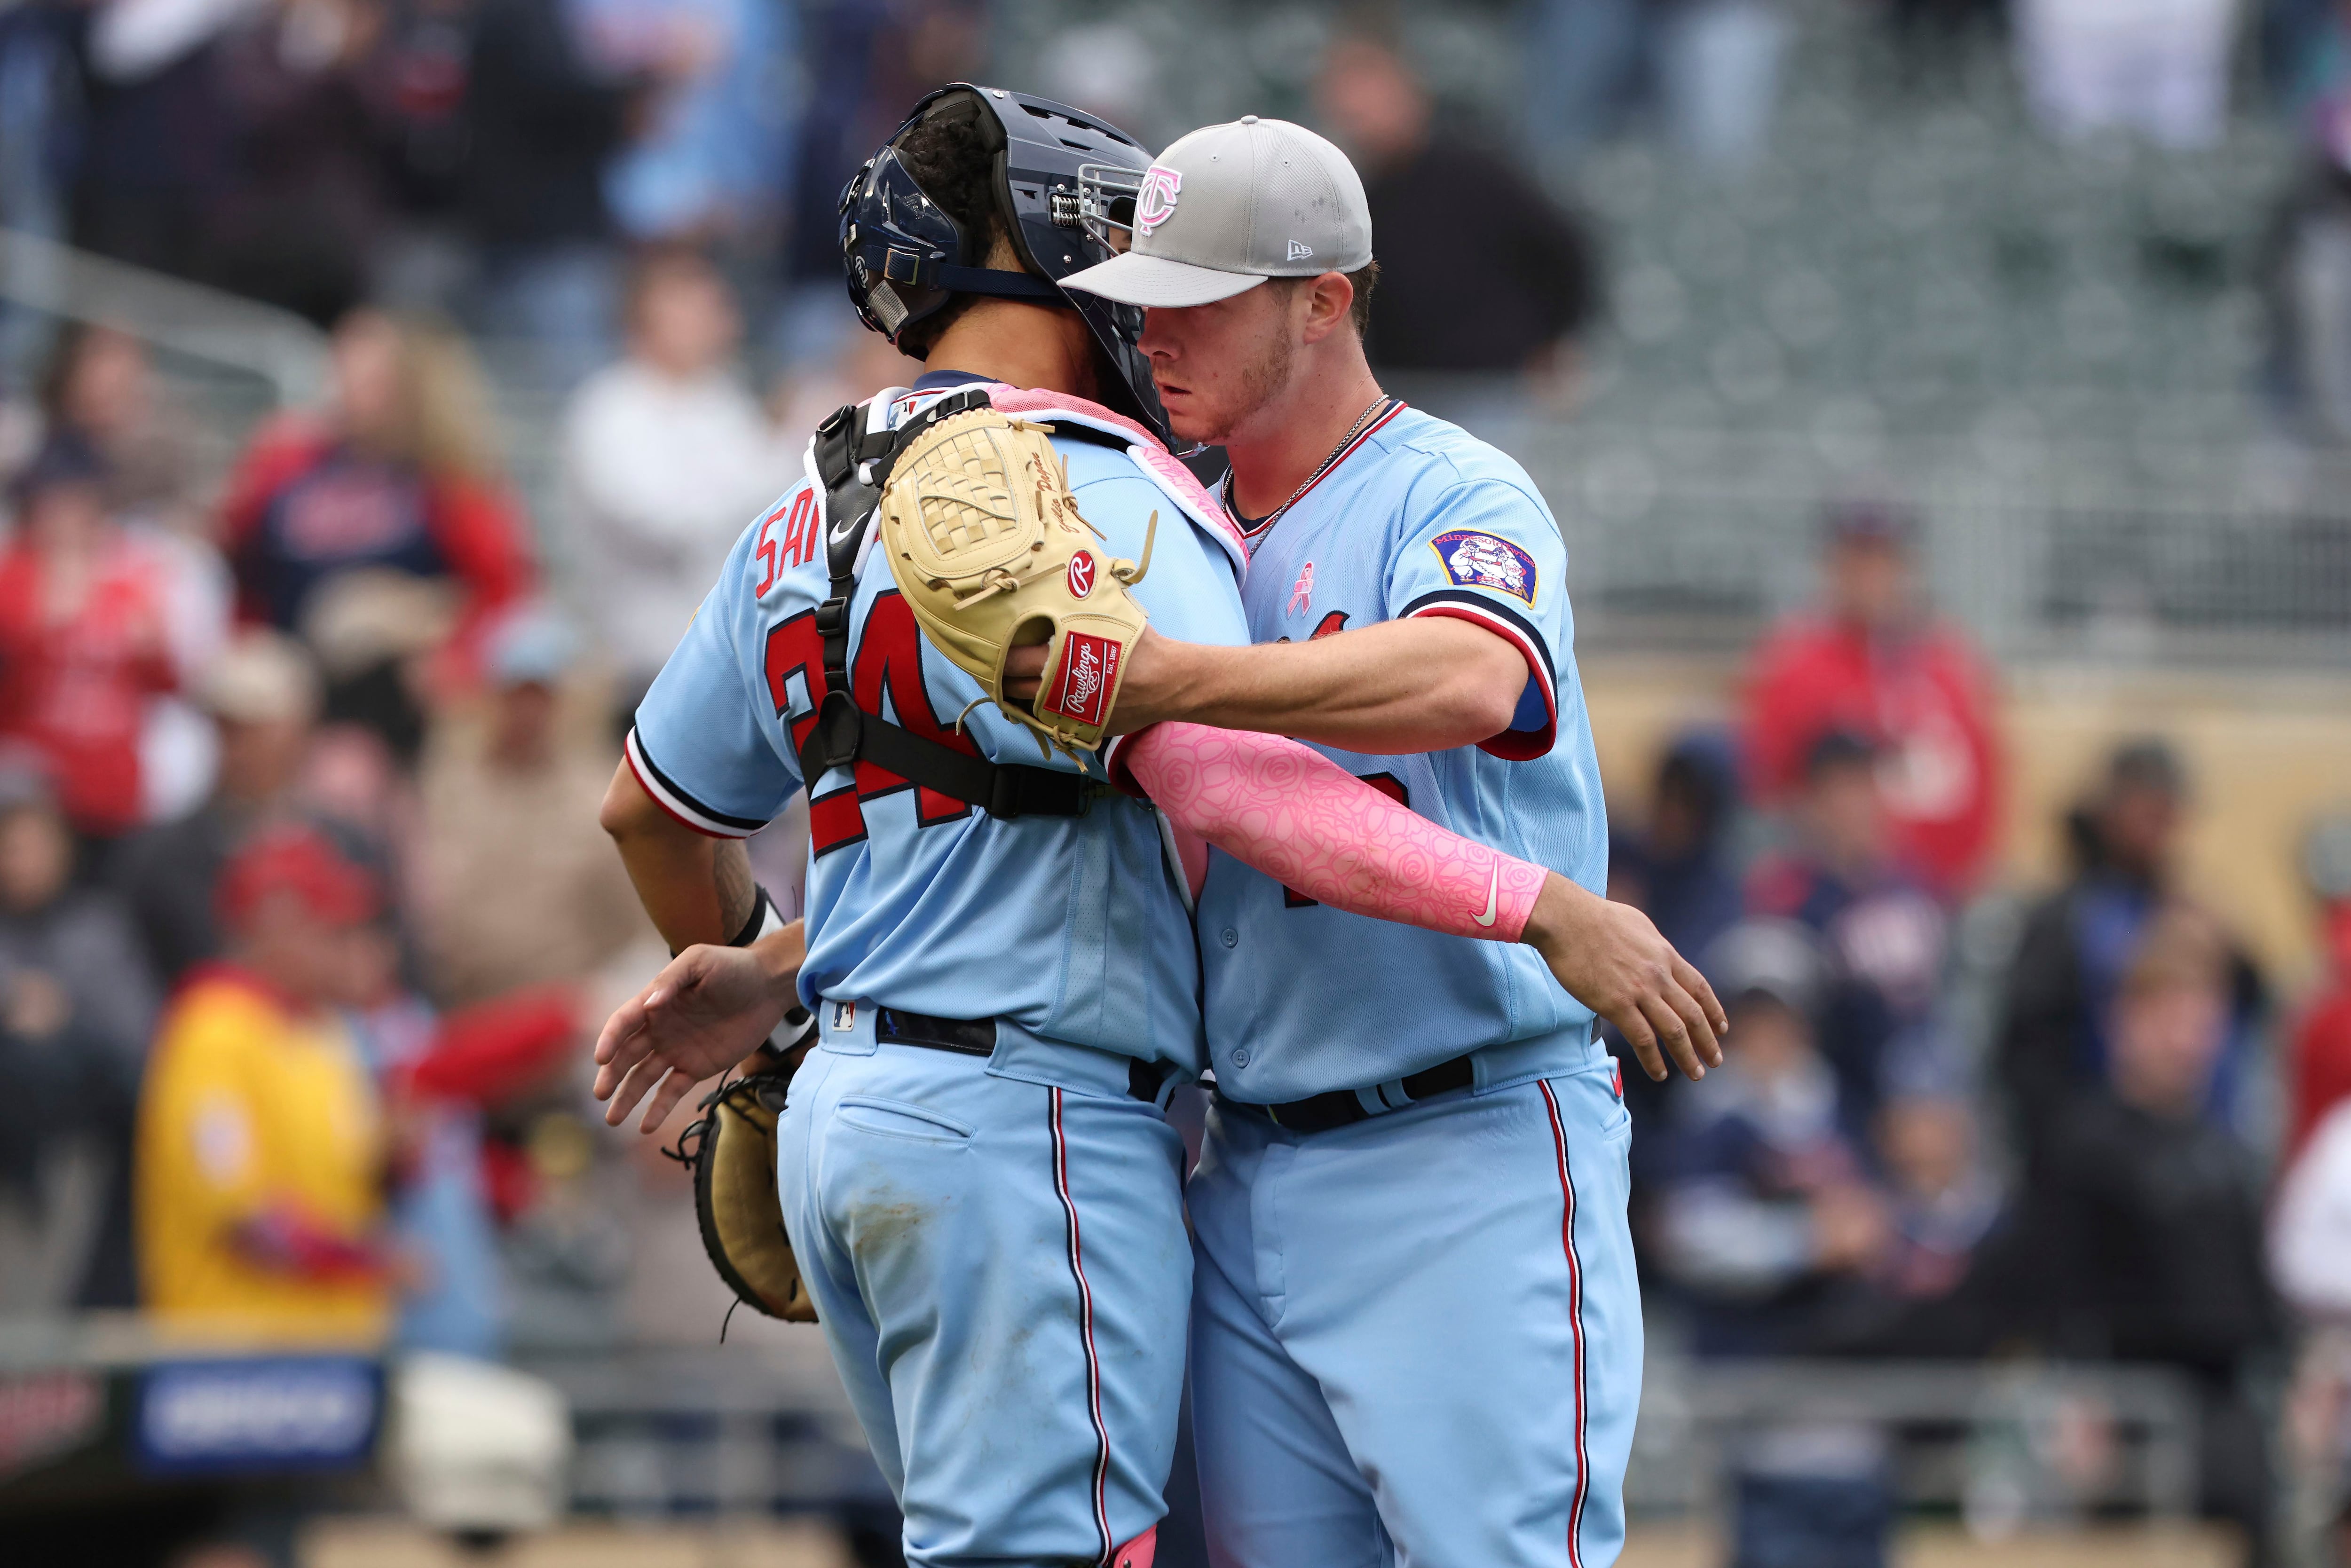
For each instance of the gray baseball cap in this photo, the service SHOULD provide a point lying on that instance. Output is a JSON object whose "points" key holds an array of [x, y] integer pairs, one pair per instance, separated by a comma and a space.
{"points": [[1228, 207]]}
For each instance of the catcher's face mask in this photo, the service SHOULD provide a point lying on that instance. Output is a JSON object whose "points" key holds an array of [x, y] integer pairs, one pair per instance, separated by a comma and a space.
{"points": [[905, 257]]}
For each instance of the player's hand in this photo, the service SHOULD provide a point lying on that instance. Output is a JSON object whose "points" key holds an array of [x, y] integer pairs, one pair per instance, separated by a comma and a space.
{"points": [[1611, 958], [1152, 676], [708, 1010], [1024, 671]]}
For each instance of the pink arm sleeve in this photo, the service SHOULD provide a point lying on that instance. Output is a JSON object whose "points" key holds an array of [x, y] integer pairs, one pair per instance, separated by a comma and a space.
{"points": [[1300, 818]]}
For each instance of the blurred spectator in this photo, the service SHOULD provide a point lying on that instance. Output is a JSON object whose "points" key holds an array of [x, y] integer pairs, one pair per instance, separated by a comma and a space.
{"points": [[2149, 1219], [1768, 1206], [2322, 1040], [352, 781], [1767, 1223], [1943, 1201], [80, 1005], [2308, 277], [79, 938], [1884, 933], [1712, 67], [85, 643], [2309, 1259], [2305, 47], [395, 479], [1877, 662], [263, 697], [1951, 1281], [862, 365], [521, 887], [2078, 946], [711, 163], [261, 1146], [546, 124], [235, 141], [1537, 278], [666, 459], [1113, 69], [2159, 69], [437, 1075], [1682, 873], [60, 1131], [36, 139], [309, 200], [101, 387], [158, 140]]}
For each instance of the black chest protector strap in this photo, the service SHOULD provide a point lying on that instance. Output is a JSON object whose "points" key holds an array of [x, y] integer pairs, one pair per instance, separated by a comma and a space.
{"points": [[853, 464]]}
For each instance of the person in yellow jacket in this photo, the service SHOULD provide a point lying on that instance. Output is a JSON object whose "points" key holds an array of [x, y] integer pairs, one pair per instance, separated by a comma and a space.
{"points": [[260, 1161]]}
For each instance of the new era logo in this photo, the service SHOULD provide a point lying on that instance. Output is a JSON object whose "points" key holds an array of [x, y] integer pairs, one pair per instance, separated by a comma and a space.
{"points": [[1089, 672], [1299, 250]]}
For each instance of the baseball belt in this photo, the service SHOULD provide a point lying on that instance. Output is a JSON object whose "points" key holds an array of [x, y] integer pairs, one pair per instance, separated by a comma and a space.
{"points": [[976, 1037], [1344, 1107]]}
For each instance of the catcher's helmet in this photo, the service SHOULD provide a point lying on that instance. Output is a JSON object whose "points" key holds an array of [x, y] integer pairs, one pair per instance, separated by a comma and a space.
{"points": [[904, 257]]}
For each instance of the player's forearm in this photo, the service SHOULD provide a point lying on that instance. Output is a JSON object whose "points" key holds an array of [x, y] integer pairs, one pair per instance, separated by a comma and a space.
{"points": [[1426, 685], [694, 887], [1298, 817]]}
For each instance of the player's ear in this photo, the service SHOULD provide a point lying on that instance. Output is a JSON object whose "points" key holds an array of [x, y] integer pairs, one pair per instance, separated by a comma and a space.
{"points": [[1329, 300]]}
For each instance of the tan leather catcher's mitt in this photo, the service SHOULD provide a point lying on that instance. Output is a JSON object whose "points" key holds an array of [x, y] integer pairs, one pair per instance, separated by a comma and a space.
{"points": [[985, 542], [732, 1152]]}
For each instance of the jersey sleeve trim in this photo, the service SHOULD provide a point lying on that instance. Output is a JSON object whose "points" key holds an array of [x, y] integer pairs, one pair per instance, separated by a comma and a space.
{"points": [[689, 811], [1510, 744]]}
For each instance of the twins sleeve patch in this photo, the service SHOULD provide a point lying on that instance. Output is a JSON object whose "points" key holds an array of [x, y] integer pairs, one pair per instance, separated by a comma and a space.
{"points": [[1473, 559]]}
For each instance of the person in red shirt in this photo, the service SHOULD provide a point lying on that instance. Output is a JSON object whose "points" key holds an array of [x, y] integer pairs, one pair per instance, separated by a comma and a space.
{"points": [[83, 639], [2322, 1040], [1873, 662], [394, 476]]}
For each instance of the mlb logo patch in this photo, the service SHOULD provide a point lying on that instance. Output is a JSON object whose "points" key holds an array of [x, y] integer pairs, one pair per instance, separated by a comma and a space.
{"points": [[1089, 671], [1474, 559]]}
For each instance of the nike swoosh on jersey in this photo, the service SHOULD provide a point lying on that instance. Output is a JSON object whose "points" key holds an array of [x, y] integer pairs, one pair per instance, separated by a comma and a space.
{"points": [[1493, 884]]}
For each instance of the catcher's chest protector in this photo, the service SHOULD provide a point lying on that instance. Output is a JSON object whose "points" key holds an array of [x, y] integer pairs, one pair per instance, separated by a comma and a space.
{"points": [[853, 463], [990, 553], [989, 547]]}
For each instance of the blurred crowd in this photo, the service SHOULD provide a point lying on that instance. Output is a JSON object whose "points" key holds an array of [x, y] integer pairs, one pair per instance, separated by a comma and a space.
{"points": [[2081, 1166], [305, 922], [299, 770]]}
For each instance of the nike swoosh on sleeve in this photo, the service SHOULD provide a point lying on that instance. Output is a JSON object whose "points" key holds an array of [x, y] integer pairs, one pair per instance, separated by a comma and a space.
{"points": [[1493, 884]]}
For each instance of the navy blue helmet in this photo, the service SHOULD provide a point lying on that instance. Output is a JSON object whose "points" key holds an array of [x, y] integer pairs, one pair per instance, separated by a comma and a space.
{"points": [[905, 257]]}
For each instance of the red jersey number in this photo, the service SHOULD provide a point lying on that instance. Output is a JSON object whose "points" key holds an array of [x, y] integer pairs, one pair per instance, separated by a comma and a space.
{"points": [[889, 658]]}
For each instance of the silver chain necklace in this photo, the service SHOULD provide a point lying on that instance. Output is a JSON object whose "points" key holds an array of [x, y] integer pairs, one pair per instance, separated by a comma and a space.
{"points": [[1264, 526]]}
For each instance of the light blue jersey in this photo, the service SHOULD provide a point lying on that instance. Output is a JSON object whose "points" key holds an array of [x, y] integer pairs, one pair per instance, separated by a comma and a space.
{"points": [[1074, 929], [1416, 1338], [1417, 518]]}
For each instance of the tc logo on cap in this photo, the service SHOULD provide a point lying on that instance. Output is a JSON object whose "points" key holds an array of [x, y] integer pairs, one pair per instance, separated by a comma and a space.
{"points": [[1154, 203]]}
